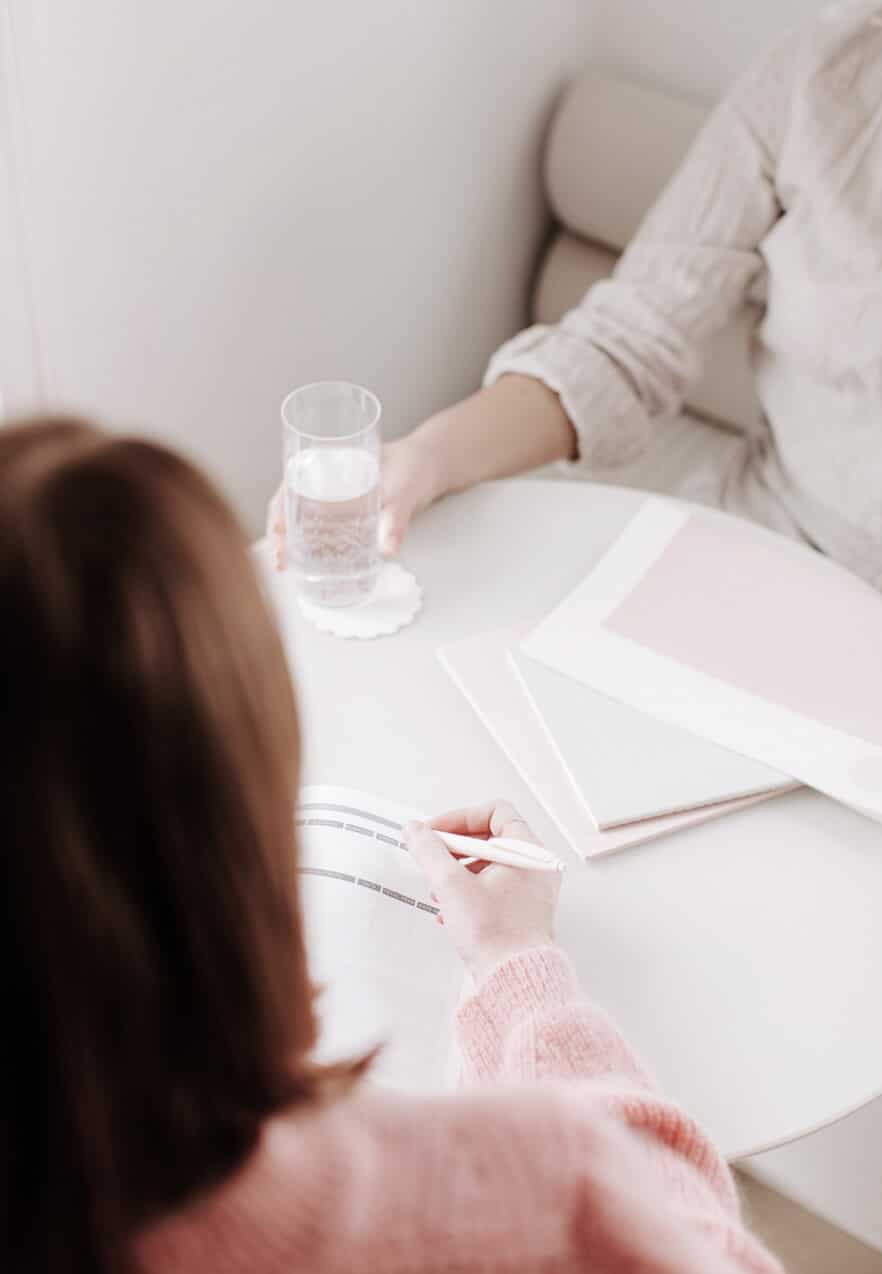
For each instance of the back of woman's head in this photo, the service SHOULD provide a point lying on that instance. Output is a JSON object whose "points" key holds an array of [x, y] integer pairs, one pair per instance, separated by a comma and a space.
{"points": [[154, 993]]}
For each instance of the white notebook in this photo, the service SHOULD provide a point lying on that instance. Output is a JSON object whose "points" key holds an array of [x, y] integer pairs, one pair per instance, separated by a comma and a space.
{"points": [[480, 668], [739, 636], [627, 766], [389, 976], [388, 971]]}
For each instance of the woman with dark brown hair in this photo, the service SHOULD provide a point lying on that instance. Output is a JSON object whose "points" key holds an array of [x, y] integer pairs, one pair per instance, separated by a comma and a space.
{"points": [[159, 1109]]}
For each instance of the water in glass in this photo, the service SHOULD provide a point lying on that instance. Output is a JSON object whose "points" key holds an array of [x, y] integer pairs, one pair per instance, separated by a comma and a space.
{"points": [[333, 508]]}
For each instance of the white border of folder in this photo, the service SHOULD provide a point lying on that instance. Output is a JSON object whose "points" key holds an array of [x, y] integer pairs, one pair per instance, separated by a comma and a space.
{"points": [[572, 640]]}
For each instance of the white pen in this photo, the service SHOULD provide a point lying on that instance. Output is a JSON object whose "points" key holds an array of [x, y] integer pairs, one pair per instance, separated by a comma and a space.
{"points": [[503, 850]]}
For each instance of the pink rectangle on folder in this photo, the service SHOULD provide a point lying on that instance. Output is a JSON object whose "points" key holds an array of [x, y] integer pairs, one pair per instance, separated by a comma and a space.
{"points": [[782, 625]]}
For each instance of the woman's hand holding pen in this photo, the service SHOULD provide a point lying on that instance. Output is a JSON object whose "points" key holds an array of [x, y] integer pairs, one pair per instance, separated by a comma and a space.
{"points": [[491, 912]]}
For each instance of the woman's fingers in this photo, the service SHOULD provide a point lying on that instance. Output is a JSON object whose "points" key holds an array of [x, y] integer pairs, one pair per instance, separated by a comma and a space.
{"points": [[402, 493], [474, 820], [488, 917], [496, 818], [393, 524], [431, 854], [276, 530], [411, 481], [506, 821]]}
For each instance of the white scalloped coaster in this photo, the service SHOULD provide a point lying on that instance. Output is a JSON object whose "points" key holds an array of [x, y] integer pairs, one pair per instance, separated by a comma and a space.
{"points": [[395, 603]]}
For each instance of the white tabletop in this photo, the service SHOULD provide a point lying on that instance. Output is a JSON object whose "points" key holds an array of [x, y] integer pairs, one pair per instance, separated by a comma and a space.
{"points": [[742, 959]]}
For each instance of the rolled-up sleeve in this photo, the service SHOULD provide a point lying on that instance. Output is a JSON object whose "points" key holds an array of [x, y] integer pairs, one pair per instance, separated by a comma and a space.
{"points": [[626, 356]]}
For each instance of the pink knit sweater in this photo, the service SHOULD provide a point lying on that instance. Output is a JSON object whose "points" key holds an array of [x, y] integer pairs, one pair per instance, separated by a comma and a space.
{"points": [[561, 1158]]}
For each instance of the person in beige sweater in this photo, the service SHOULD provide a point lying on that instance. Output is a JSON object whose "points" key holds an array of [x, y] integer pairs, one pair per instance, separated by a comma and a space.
{"points": [[781, 192]]}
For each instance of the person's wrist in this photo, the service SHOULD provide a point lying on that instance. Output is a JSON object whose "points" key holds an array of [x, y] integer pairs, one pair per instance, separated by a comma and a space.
{"points": [[490, 956], [430, 451]]}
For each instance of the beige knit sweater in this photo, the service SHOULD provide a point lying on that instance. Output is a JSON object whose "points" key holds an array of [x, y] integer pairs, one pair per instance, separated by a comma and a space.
{"points": [[782, 192]]}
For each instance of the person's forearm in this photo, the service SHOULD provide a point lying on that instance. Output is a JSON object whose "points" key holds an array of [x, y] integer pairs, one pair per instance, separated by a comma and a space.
{"points": [[530, 1019], [515, 425]]}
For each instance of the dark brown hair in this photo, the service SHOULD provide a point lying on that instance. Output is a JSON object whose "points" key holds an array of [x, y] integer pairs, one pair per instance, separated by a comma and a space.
{"points": [[155, 998]]}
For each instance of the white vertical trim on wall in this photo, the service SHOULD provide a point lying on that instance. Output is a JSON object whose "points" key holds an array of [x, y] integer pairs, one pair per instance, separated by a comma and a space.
{"points": [[24, 380]]}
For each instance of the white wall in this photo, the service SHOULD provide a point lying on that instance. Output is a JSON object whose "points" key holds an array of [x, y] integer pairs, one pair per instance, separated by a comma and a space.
{"points": [[696, 47], [228, 199], [21, 373]]}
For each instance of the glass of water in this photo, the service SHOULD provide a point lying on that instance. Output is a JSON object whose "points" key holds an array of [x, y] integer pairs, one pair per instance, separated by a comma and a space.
{"points": [[332, 491]]}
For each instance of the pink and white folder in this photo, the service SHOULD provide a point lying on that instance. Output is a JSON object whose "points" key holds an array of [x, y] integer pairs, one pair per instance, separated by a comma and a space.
{"points": [[738, 636]]}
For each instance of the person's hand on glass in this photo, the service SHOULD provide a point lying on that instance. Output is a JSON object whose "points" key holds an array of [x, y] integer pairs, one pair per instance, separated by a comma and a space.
{"points": [[516, 425], [491, 912], [411, 480]]}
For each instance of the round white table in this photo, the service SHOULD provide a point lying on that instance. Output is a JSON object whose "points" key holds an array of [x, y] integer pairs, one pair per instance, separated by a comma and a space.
{"points": [[743, 959]]}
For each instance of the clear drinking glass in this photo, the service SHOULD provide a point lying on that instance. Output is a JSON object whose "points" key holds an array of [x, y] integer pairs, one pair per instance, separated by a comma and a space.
{"points": [[332, 490]]}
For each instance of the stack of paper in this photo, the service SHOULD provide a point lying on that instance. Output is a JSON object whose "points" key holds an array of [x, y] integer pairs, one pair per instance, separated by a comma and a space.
{"points": [[704, 663], [627, 766], [739, 636], [484, 670]]}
